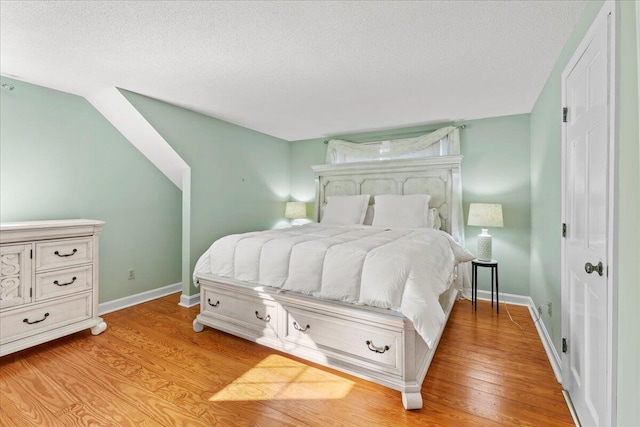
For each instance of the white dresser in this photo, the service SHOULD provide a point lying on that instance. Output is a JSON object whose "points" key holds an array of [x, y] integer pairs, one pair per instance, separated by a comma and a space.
{"points": [[48, 281]]}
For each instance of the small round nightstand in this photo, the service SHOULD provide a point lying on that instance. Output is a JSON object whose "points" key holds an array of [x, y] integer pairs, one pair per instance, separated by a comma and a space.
{"points": [[493, 265]]}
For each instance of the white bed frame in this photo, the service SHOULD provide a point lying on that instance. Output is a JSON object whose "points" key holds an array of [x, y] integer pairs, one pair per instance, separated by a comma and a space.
{"points": [[378, 345]]}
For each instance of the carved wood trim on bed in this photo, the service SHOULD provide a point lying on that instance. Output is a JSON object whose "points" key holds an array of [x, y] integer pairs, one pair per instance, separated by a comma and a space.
{"points": [[436, 176]]}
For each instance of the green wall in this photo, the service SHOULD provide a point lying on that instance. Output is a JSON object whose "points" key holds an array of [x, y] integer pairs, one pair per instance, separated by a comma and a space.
{"points": [[545, 203], [545, 183], [493, 149], [239, 177], [628, 222], [60, 158]]}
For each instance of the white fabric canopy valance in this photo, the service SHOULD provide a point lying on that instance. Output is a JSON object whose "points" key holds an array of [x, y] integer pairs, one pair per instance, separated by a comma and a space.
{"points": [[442, 142]]}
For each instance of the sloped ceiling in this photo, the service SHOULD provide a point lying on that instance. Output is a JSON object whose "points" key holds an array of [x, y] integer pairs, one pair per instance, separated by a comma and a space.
{"points": [[296, 70]]}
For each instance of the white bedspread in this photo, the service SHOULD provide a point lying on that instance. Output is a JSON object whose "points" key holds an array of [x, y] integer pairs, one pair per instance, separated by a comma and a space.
{"points": [[402, 270]]}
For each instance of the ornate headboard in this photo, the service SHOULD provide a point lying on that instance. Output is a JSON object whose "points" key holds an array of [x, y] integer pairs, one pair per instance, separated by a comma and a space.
{"points": [[437, 176]]}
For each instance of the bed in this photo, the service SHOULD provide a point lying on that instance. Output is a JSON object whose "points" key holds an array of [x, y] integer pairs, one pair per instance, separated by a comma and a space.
{"points": [[281, 289]]}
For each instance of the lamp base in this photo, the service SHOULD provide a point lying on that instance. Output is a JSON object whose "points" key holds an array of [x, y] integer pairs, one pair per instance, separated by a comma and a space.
{"points": [[484, 246]]}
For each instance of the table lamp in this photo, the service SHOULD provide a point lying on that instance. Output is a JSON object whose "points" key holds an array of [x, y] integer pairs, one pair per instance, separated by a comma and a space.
{"points": [[485, 215], [295, 210]]}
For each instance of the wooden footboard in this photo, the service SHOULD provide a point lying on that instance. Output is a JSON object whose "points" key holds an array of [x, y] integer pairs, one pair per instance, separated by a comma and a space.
{"points": [[374, 344]]}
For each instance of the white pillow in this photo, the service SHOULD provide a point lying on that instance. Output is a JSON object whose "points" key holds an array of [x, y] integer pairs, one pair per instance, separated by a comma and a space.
{"points": [[433, 219], [410, 211], [368, 217], [345, 210]]}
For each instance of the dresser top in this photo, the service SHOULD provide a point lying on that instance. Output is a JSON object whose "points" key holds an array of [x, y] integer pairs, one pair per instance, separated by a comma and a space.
{"points": [[21, 225], [33, 230]]}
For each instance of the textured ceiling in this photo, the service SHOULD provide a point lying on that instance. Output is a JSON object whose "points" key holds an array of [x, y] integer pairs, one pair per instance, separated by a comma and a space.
{"points": [[296, 70]]}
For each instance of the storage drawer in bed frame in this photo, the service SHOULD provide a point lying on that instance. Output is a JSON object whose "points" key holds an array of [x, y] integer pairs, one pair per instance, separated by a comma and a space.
{"points": [[374, 344]]}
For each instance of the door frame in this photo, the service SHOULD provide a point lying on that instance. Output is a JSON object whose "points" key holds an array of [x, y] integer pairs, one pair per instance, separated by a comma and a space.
{"points": [[609, 11]]}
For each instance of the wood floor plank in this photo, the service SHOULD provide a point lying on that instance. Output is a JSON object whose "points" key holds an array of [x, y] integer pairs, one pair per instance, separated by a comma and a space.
{"points": [[37, 382], [80, 414], [194, 366], [5, 419], [25, 407], [101, 376], [486, 405], [150, 368], [506, 391], [175, 385], [467, 375], [101, 400], [201, 362]]}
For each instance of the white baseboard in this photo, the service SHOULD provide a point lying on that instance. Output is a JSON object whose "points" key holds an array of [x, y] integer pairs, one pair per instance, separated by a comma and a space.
{"points": [[119, 304], [508, 298], [549, 348], [552, 354], [189, 300]]}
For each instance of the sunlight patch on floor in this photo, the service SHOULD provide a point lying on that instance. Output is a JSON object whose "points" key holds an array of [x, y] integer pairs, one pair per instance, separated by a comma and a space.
{"points": [[279, 378]]}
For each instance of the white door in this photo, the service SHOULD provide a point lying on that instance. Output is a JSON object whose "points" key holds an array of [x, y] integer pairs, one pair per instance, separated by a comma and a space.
{"points": [[586, 86]]}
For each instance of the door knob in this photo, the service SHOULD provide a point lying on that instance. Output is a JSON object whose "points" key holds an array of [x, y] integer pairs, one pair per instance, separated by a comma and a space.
{"points": [[590, 268]]}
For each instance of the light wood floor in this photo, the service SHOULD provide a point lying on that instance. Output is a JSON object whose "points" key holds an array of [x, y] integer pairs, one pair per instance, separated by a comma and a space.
{"points": [[150, 369]]}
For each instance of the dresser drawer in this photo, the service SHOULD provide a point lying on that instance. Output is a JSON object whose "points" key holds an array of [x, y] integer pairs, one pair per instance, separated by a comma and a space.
{"points": [[23, 322], [63, 282], [243, 310], [63, 253], [348, 340]]}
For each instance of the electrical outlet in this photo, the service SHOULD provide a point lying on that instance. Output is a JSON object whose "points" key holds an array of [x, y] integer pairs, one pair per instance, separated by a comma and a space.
{"points": [[549, 308], [132, 274]]}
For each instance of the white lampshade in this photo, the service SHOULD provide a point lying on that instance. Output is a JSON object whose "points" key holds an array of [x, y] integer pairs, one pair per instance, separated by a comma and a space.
{"points": [[295, 210], [485, 215]]}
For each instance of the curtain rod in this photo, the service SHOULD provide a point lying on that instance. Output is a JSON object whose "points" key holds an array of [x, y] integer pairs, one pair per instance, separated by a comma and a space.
{"points": [[407, 134]]}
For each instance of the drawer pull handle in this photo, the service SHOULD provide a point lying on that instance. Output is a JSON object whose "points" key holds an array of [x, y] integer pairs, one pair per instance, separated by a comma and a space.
{"points": [[264, 319], [212, 304], [55, 282], [298, 328], [36, 321], [66, 255], [375, 349]]}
